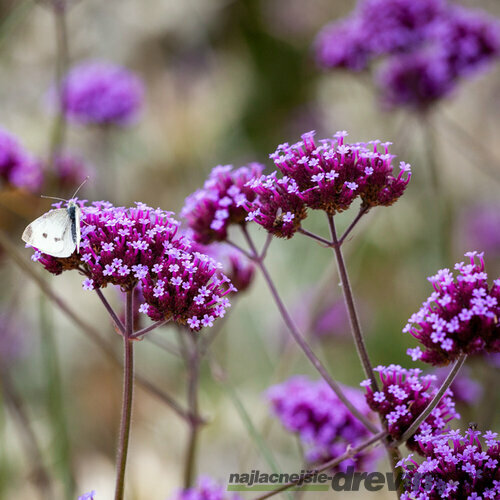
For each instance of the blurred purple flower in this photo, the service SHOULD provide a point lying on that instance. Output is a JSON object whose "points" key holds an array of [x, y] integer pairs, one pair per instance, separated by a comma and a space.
{"points": [[465, 390], [206, 488], [460, 316], [17, 167], [325, 426], [463, 468], [480, 228], [70, 170], [12, 338], [127, 246], [102, 93], [404, 395]]}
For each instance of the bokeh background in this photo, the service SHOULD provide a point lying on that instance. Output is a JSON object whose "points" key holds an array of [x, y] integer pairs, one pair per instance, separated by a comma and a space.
{"points": [[225, 82]]}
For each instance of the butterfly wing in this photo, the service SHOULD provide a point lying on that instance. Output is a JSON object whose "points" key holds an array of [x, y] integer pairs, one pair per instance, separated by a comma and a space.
{"points": [[51, 233]]}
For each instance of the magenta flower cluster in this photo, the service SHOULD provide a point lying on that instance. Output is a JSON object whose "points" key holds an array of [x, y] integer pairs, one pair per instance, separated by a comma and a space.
{"points": [[88, 496], [127, 246], [206, 488], [211, 210], [404, 395], [70, 170], [455, 466], [459, 317], [324, 425], [430, 44], [18, 168], [324, 175], [101, 93]]}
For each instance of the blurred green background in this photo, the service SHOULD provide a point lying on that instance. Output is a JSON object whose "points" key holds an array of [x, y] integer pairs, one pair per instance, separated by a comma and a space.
{"points": [[226, 82]]}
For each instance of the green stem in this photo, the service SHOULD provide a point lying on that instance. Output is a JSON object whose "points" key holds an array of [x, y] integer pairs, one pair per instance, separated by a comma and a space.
{"points": [[128, 387]]}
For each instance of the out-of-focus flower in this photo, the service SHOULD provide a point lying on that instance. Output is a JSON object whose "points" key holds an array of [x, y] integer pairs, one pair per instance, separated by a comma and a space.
{"points": [[465, 390], [70, 170], [455, 466], [480, 228], [12, 338], [415, 80], [127, 246], [404, 395], [211, 210], [343, 44], [494, 359], [460, 316], [102, 93], [431, 45], [206, 488], [17, 167], [325, 426], [328, 175], [88, 496]]}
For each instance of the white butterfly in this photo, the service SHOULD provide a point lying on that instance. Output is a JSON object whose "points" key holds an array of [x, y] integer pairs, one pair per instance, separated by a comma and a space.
{"points": [[57, 232]]}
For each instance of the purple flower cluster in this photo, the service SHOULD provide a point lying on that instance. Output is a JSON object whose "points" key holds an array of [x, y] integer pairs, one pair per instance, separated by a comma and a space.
{"points": [[465, 390], [404, 395], [211, 210], [101, 93], [88, 496], [460, 316], [127, 246], [455, 466], [70, 170], [325, 175], [206, 489], [430, 43], [325, 426], [17, 167], [479, 228]]}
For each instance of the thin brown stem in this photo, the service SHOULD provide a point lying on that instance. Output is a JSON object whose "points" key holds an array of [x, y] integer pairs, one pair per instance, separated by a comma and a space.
{"points": [[350, 453], [193, 366], [302, 342], [139, 333], [315, 237], [116, 320], [128, 388], [351, 308], [435, 400], [265, 248], [362, 211]]}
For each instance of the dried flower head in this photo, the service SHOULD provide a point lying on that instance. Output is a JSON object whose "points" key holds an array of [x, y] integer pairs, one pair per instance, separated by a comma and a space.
{"points": [[127, 246], [455, 466], [404, 395], [206, 488], [328, 175], [211, 210], [325, 426], [459, 317], [101, 93], [17, 167]]}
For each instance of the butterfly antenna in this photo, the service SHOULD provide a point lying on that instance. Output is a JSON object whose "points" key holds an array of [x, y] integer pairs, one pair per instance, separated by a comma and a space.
{"points": [[79, 187], [52, 197]]}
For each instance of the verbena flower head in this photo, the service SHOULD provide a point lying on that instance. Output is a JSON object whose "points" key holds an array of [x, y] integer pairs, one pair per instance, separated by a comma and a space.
{"points": [[404, 395], [17, 167], [479, 228], [127, 246], [210, 211], [455, 466], [324, 175], [70, 170], [206, 488], [459, 317], [324, 425], [101, 93]]}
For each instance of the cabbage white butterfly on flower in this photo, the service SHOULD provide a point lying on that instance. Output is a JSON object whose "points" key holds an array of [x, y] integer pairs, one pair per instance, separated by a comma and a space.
{"points": [[57, 232]]}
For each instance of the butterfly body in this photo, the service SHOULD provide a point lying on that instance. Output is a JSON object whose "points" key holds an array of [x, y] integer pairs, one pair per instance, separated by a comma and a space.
{"points": [[57, 232]]}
